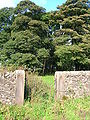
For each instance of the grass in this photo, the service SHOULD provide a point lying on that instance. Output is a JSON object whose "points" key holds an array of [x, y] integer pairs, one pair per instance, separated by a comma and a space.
{"points": [[42, 105], [48, 79]]}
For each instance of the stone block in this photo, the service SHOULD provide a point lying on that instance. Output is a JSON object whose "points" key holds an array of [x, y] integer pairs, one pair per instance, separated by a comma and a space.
{"points": [[20, 78], [72, 84], [12, 87]]}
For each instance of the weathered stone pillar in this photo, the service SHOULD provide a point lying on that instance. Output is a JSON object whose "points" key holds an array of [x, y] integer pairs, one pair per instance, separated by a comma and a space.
{"points": [[59, 84], [72, 84], [20, 80]]}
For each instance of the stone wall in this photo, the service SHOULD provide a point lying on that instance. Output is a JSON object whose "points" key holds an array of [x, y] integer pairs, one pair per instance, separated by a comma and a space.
{"points": [[12, 87], [72, 84]]}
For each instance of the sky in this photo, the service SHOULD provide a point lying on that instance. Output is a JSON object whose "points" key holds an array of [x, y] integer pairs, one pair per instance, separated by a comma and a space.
{"points": [[48, 4]]}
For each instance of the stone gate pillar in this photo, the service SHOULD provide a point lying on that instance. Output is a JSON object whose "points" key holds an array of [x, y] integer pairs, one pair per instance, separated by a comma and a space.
{"points": [[72, 84], [20, 80]]}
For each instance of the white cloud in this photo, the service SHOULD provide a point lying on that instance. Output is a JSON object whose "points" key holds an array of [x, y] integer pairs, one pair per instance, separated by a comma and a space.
{"points": [[40, 2], [6, 3]]}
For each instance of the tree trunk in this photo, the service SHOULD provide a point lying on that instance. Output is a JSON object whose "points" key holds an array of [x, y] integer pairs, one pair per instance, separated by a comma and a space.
{"points": [[44, 67]]}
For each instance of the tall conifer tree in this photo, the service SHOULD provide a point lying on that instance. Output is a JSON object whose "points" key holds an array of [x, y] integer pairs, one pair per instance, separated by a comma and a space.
{"points": [[72, 40]]}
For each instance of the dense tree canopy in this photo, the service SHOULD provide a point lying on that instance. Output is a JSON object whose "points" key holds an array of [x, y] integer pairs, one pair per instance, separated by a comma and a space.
{"points": [[72, 39], [6, 19], [45, 42], [29, 9]]}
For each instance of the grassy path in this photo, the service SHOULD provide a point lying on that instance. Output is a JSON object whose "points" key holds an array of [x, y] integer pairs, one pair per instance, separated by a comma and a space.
{"points": [[43, 106]]}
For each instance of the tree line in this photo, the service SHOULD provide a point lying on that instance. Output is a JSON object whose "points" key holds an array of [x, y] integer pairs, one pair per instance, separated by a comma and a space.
{"points": [[43, 41]]}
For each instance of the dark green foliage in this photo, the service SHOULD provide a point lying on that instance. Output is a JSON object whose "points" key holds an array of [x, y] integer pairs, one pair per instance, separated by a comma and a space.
{"points": [[56, 40], [43, 56], [27, 60], [20, 23], [6, 18], [21, 45], [70, 38], [29, 9], [26, 42], [39, 28], [4, 37]]}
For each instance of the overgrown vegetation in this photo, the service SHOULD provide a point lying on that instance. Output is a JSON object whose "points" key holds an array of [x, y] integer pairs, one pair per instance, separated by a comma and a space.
{"points": [[42, 106], [44, 42]]}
